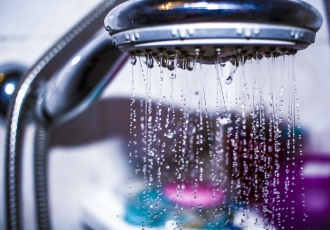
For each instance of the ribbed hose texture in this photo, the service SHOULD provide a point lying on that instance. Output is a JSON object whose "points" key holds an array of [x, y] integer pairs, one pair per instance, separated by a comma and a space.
{"points": [[24, 102], [40, 160]]}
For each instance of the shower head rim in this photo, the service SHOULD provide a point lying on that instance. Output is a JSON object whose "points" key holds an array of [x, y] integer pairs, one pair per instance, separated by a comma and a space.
{"points": [[210, 36]]}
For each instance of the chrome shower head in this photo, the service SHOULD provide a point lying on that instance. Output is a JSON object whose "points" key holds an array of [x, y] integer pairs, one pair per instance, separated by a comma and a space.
{"points": [[213, 28]]}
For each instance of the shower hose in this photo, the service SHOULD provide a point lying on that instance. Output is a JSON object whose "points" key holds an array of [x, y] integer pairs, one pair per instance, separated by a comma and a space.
{"points": [[22, 111]]}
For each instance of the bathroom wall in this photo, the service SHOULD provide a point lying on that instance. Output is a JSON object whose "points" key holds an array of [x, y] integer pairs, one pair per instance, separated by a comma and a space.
{"points": [[78, 172]]}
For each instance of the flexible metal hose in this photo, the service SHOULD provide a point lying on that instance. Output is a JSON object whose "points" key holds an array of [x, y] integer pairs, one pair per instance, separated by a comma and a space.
{"points": [[41, 175], [23, 105]]}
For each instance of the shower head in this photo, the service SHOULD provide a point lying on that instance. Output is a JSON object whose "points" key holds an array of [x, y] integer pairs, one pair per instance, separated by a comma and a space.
{"points": [[213, 28]]}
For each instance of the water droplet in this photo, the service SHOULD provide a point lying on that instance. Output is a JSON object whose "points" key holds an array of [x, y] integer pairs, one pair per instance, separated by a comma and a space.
{"points": [[173, 76], [224, 118], [151, 153], [133, 60], [150, 62], [229, 80], [170, 134]]}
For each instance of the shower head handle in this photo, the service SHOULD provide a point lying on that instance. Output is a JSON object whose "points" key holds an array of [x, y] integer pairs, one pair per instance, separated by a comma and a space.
{"points": [[80, 81]]}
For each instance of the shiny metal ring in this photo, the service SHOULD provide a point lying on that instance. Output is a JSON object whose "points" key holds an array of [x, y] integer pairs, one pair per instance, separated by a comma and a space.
{"points": [[209, 38]]}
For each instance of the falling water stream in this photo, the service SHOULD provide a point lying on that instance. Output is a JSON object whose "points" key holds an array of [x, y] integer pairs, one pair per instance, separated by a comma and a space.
{"points": [[213, 146]]}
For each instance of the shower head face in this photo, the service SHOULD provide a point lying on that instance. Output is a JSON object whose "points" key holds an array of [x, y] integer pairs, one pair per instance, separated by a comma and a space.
{"points": [[212, 28]]}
